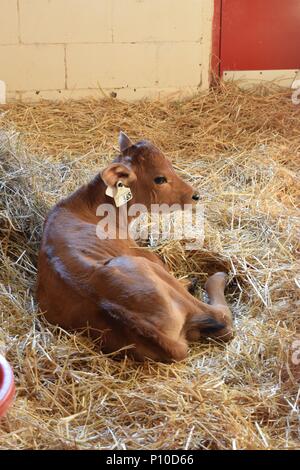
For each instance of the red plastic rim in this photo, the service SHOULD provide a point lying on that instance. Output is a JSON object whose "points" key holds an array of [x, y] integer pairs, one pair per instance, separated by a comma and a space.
{"points": [[7, 386]]}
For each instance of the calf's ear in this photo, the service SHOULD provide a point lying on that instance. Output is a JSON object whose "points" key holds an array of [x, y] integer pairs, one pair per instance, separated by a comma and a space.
{"points": [[124, 142], [118, 172]]}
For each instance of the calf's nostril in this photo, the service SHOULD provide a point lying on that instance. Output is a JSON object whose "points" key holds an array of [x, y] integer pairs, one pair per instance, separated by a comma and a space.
{"points": [[196, 197]]}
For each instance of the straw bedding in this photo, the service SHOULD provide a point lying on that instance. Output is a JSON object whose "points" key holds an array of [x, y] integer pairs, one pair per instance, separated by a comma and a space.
{"points": [[242, 151]]}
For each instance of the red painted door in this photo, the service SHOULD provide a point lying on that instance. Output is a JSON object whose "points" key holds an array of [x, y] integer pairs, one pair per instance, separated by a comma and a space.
{"points": [[258, 34]]}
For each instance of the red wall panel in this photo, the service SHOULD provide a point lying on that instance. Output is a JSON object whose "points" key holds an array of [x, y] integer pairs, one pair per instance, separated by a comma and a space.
{"points": [[260, 34]]}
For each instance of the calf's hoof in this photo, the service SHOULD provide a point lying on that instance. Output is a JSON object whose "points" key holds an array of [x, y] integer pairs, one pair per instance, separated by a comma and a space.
{"points": [[216, 280]]}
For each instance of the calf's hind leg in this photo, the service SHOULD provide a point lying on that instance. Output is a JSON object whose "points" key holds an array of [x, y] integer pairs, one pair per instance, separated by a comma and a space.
{"points": [[215, 286], [212, 320]]}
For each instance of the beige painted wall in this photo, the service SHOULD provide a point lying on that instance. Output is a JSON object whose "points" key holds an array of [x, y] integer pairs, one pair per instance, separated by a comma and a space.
{"points": [[132, 48]]}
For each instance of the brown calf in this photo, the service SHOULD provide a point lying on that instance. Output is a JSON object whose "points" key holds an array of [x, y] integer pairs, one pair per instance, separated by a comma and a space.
{"points": [[124, 294]]}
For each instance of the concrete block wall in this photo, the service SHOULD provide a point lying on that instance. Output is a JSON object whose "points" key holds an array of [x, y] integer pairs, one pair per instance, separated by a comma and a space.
{"points": [[127, 48]]}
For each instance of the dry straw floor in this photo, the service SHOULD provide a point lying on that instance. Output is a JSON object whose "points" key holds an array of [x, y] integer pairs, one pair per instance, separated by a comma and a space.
{"points": [[242, 151]]}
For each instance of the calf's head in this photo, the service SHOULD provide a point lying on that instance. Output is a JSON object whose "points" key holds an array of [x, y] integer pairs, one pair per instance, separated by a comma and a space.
{"points": [[149, 174]]}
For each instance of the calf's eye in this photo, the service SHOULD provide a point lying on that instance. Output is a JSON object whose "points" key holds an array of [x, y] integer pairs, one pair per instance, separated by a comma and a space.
{"points": [[160, 180]]}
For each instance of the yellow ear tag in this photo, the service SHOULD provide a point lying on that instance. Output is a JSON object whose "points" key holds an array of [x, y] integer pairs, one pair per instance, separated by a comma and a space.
{"points": [[123, 194], [109, 191]]}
